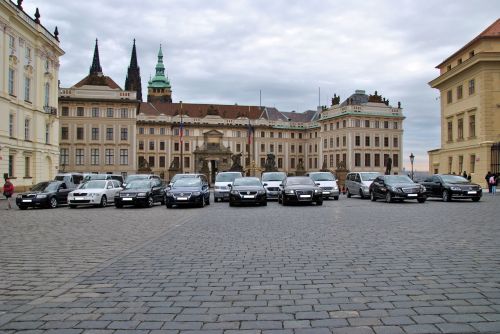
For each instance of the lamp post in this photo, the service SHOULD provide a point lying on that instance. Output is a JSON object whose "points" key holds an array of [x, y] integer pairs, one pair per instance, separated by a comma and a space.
{"points": [[412, 158]]}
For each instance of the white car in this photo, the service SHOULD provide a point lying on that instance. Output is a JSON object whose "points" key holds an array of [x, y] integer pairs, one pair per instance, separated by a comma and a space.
{"points": [[358, 183], [327, 182], [221, 189], [95, 193], [272, 181]]}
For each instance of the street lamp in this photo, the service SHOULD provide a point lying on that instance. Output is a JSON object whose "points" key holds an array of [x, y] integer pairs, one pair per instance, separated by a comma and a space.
{"points": [[412, 158]]}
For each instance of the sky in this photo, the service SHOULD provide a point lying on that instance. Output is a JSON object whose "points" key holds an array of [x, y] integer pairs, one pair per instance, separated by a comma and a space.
{"points": [[296, 53]]}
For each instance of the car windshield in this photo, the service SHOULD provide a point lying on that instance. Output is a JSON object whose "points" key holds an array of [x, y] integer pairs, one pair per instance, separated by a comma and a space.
{"points": [[138, 184], [40, 186], [395, 179], [187, 182], [453, 179], [247, 181], [94, 184], [227, 177], [275, 176], [95, 177], [369, 176], [325, 176], [300, 181], [131, 178], [181, 176]]}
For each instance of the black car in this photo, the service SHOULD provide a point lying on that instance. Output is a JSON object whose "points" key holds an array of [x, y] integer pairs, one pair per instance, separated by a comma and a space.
{"points": [[48, 194], [247, 190], [396, 187], [300, 189], [188, 191], [141, 193], [450, 187]]}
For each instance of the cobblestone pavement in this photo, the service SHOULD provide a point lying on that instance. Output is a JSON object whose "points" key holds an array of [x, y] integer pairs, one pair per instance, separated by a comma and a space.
{"points": [[349, 266]]}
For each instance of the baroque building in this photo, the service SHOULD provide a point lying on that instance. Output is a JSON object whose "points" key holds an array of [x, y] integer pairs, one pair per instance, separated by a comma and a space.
{"points": [[29, 72], [468, 83], [98, 122]]}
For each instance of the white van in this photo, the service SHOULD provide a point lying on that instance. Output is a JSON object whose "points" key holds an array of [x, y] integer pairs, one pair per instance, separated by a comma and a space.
{"points": [[221, 190], [272, 181], [358, 183], [327, 182]]}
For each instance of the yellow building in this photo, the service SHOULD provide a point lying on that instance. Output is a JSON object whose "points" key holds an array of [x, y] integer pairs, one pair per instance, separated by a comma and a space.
{"points": [[469, 85], [29, 72]]}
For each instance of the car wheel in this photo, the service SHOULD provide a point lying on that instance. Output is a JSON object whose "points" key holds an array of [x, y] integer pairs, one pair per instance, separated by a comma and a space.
{"points": [[446, 196], [104, 201], [421, 200], [118, 205], [476, 199], [372, 196], [319, 202], [72, 206], [388, 197], [150, 202], [283, 201], [336, 198], [348, 193], [361, 194], [53, 203], [208, 201]]}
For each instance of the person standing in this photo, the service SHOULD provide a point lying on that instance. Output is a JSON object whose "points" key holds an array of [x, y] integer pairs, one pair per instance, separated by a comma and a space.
{"points": [[493, 183], [464, 175], [487, 178], [8, 190]]}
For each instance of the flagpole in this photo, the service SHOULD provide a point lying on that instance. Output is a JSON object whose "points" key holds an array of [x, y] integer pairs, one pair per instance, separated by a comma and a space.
{"points": [[181, 130]]}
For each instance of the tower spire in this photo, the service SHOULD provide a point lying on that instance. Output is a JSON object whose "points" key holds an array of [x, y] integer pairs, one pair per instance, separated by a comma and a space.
{"points": [[96, 64], [159, 86], [133, 79]]}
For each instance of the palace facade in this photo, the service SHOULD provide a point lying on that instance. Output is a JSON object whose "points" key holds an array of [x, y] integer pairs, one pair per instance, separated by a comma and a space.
{"points": [[469, 85], [29, 72]]}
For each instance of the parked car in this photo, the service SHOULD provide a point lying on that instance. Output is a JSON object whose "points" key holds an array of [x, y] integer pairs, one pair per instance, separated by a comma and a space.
{"points": [[450, 187], [71, 179], [141, 193], [300, 189], [188, 191], [95, 193], [176, 177], [247, 190], [358, 183], [396, 187], [133, 177], [271, 182], [48, 194], [221, 189], [116, 177], [327, 182]]}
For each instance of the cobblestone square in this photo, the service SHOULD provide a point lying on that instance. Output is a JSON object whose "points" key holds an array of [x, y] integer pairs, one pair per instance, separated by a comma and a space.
{"points": [[349, 266]]}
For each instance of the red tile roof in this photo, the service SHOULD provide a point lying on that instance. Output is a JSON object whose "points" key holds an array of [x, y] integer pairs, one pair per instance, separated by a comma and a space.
{"points": [[200, 110], [97, 80]]}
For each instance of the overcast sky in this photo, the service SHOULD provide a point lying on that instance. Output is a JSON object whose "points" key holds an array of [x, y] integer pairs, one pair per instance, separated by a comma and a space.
{"points": [[226, 51]]}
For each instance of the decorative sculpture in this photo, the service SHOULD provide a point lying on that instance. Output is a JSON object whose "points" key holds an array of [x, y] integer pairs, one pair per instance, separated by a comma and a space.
{"points": [[388, 166], [236, 167], [270, 165]]}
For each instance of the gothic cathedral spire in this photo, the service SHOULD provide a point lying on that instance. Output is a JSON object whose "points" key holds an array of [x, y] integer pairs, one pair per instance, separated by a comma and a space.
{"points": [[96, 64], [133, 80]]}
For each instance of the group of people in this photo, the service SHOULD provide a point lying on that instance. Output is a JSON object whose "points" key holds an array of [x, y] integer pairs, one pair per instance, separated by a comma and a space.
{"points": [[492, 181]]}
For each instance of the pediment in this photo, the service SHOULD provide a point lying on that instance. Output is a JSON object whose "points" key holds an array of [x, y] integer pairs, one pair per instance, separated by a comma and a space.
{"points": [[213, 133]]}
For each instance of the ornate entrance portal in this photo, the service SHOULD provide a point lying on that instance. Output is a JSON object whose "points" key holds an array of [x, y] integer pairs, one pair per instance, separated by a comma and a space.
{"points": [[212, 156]]}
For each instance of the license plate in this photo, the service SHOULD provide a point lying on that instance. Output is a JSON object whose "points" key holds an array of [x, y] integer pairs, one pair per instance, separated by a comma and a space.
{"points": [[26, 201], [79, 198], [326, 193], [472, 192], [305, 196], [248, 196], [182, 198], [126, 199], [412, 195]]}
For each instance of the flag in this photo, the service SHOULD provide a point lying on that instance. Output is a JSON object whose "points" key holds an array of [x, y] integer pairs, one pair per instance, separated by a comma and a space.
{"points": [[249, 133], [181, 129]]}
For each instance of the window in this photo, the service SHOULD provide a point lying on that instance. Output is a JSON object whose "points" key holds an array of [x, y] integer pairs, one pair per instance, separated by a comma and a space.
{"points": [[386, 141], [151, 145], [460, 164], [450, 164], [162, 146], [460, 129], [450, 131], [124, 134], [377, 141], [459, 61], [162, 131], [11, 125], [280, 135], [47, 94], [79, 111], [357, 123], [27, 166], [262, 134], [186, 147], [292, 163], [472, 126], [151, 131], [292, 148], [27, 56], [262, 147], [459, 92], [238, 147], [94, 156], [27, 129], [187, 162], [11, 166], [11, 81], [357, 159], [271, 134], [386, 157], [95, 134], [162, 161], [344, 123], [12, 42], [110, 112], [367, 141], [358, 140], [377, 124], [367, 160], [472, 163], [64, 157], [472, 86], [65, 111], [280, 162], [141, 131], [176, 147], [300, 148], [386, 124], [449, 97], [377, 160], [109, 133], [325, 143], [271, 148], [448, 67], [109, 156], [123, 156], [395, 142], [124, 113], [395, 125], [64, 133], [79, 134], [95, 112], [338, 141], [395, 160], [27, 88], [367, 123], [280, 148], [79, 156], [471, 54], [47, 133], [331, 160], [293, 135], [337, 159]]}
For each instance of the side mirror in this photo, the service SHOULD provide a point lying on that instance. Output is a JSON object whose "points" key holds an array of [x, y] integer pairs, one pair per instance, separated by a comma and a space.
{"points": [[318, 184], [281, 185], [265, 185], [229, 185]]}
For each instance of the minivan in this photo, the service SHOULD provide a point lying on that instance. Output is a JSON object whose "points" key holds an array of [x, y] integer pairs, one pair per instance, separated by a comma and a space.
{"points": [[358, 183], [221, 189]]}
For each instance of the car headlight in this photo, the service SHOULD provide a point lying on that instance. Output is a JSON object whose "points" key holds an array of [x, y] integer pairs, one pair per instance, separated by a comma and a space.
{"points": [[290, 191], [317, 191], [197, 193], [141, 195], [169, 194], [234, 192], [455, 188], [19, 196], [41, 196], [423, 188], [261, 192]]}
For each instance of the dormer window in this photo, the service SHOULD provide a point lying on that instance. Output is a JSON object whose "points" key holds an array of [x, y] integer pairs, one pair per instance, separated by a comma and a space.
{"points": [[448, 68], [471, 54], [459, 61]]}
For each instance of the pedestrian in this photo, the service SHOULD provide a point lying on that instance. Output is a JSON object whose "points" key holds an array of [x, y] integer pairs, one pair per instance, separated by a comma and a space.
{"points": [[8, 190], [487, 178], [493, 183], [464, 175]]}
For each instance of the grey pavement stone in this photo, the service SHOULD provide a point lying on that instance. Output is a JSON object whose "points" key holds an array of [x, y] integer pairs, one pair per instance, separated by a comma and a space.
{"points": [[455, 328], [421, 329]]}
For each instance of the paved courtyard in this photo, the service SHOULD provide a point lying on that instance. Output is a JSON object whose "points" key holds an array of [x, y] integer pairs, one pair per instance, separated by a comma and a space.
{"points": [[349, 266]]}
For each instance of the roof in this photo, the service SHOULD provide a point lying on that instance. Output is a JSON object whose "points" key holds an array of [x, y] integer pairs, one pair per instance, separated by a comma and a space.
{"points": [[493, 31], [299, 116], [200, 110], [97, 80]]}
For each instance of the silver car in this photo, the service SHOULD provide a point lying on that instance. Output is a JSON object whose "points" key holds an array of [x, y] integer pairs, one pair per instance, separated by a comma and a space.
{"points": [[358, 183], [272, 181]]}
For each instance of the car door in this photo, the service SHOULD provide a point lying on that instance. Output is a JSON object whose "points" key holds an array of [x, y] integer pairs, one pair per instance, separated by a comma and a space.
{"points": [[156, 190], [62, 193], [436, 186], [377, 186]]}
